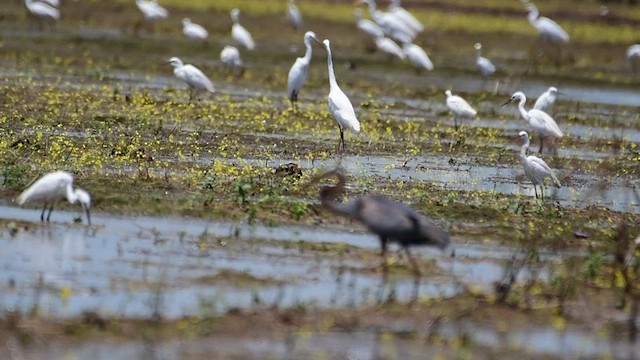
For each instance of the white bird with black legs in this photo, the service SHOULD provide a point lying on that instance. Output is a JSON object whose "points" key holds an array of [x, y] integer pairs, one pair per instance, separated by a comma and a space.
{"points": [[194, 77], [484, 65], [300, 69], [339, 104], [548, 30], [367, 26], [459, 107], [546, 101], [43, 12], [51, 189], [389, 47], [294, 15], [417, 57], [396, 9], [540, 121], [535, 168], [230, 56], [193, 31], [633, 56], [239, 34]]}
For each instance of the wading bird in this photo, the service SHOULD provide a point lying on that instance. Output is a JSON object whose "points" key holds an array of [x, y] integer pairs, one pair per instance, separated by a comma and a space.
{"points": [[53, 187], [459, 107], [238, 33], [191, 75], [300, 69], [368, 27], [396, 9], [392, 26], [294, 15], [43, 12], [193, 31], [546, 101], [484, 65], [548, 29], [339, 104], [535, 168], [151, 12], [391, 221], [633, 56], [389, 47], [230, 56], [417, 57], [540, 121]]}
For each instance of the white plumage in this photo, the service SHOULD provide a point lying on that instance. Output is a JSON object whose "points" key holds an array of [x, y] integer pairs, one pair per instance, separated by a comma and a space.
{"points": [[389, 47], [300, 69], [367, 27], [51, 189], [484, 65], [151, 10], [42, 11], [392, 26], [539, 120], [193, 31], [547, 29], [396, 9], [339, 104], [460, 108], [633, 55], [230, 56], [294, 15], [535, 168], [191, 75], [238, 33], [418, 57], [546, 101]]}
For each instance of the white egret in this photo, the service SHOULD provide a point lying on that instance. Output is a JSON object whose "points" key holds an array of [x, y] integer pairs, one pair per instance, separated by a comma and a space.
{"points": [[633, 56], [151, 10], [191, 75], [484, 65], [53, 187], [396, 9], [548, 29], [230, 56], [367, 27], [294, 15], [300, 69], [546, 101], [392, 26], [238, 33], [535, 168], [389, 47], [417, 56], [193, 31], [459, 107], [539, 120], [43, 12], [339, 104]]}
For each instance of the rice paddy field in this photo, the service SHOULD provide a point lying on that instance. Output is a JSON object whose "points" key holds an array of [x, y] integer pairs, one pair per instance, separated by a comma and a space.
{"points": [[208, 239]]}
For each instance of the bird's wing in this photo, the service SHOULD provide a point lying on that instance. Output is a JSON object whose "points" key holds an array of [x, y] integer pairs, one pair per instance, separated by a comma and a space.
{"points": [[460, 105], [551, 28], [196, 78], [50, 186], [243, 36], [541, 169], [544, 121], [418, 56], [342, 110], [370, 28], [297, 75], [486, 64]]}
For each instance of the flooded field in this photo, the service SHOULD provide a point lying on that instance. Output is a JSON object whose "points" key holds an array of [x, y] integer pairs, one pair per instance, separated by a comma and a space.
{"points": [[208, 239]]}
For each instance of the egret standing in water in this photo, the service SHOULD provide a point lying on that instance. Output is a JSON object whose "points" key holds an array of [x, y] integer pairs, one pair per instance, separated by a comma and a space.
{"points": [[230, 56], [459, 107], [633, 56], [540, 121], [417, 57], [294, 15], [484, 65], [43, 12], [193, 31], [389, 47], [238, 33], [390, 220], [339, 104], [53, 187], [191, 75], [546, 101], [535, 168], [548, 30], [300, 69]]}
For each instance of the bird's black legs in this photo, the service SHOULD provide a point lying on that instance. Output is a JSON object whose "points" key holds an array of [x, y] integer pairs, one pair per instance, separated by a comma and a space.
{"points": [[294, 99], [383, 254], [341, 139], [542, 191], [414, 265], [455, 122], [190, 94], [50, 211], [535, 189], [43, 210], [541, 143]]}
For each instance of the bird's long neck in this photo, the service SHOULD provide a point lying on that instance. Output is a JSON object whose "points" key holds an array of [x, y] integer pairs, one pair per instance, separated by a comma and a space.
{"points": [[478, 53], [332, 76], [72, 197], [523, 149], [307, 54], [523, 112], [328, 195], [533, 15]]}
